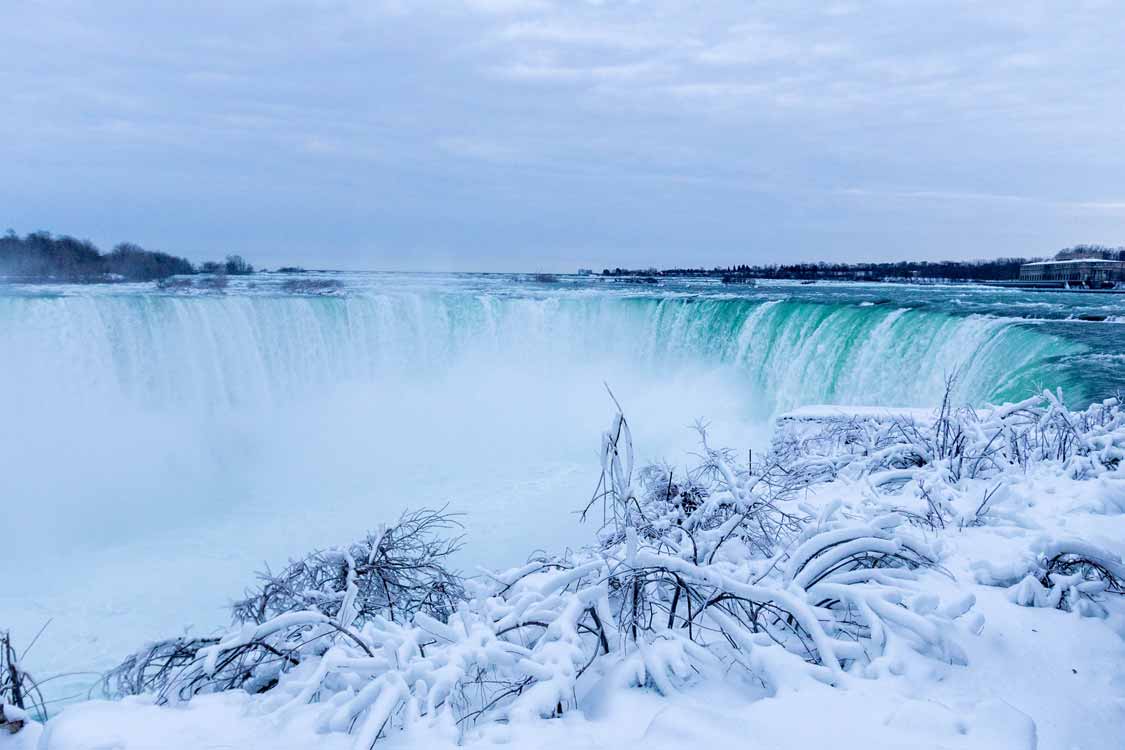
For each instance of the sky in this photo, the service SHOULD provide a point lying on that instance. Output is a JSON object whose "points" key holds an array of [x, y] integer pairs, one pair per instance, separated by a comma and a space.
{"points": [[546, 135]]}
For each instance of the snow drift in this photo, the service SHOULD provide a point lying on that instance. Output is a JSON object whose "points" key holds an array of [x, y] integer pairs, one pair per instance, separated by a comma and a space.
{"points": [[858, 555]]}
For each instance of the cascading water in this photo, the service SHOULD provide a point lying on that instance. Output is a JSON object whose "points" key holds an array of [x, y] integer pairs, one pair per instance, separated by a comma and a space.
{"points": [[164, 438], [232, 352]]}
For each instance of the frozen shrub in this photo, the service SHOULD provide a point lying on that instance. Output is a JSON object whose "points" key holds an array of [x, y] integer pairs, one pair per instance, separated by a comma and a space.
{"points": [[931, 459], [398, 571], [707, 570], [713, 569], [1066, 574], [395, 573]]}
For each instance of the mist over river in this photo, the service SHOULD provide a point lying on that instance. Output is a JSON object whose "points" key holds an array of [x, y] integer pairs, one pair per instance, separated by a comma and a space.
{"points": [[160, 446]]}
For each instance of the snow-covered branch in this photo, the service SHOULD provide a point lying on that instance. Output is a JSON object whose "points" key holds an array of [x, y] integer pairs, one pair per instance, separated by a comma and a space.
{"points": [[710, 569]]}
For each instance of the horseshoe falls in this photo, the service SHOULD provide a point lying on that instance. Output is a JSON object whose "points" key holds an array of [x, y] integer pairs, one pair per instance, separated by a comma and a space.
{"points": [[208, 354], [157, 437]]}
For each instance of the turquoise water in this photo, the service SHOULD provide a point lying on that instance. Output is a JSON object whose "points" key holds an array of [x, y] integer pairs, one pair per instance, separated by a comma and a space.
{"points": [[790, 344]]}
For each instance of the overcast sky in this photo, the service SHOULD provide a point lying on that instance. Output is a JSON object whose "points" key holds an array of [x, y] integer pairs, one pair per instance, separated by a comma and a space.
{"points": [[543, 135]]}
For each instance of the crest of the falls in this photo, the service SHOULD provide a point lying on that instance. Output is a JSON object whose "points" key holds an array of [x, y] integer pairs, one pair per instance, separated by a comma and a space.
{"points": [[257, 351]]}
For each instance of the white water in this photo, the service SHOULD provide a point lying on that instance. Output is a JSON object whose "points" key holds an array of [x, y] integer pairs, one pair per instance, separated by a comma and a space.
{"points": [[159, 448], [214, 353]]}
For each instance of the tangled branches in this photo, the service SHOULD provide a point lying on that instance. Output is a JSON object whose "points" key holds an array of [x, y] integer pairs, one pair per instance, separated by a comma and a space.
{"points": [[934, 459], [954, 469], [396, 573], [733, 565], [961, 443], [1070, 575], [152, 668], [713, 569], [20, 696]]}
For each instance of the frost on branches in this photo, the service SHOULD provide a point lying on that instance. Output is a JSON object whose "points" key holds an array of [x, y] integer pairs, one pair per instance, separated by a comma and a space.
{"points": [[955, 470], [717, 570]]}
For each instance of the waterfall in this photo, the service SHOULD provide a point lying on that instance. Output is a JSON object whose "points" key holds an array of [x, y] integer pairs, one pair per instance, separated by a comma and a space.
{"points": [[176, 441], [245, 351]]}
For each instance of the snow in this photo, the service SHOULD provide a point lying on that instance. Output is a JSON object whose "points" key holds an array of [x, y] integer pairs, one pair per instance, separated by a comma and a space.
{"points": [[707, 716], [981, 670], [224, 720]]}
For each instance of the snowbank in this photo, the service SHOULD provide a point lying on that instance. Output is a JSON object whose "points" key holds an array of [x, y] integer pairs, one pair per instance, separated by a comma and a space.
{"points": [[890, 578]]}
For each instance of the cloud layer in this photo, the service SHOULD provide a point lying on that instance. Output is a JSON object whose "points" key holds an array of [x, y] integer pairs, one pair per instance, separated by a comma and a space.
{"points": [[491, 134]]}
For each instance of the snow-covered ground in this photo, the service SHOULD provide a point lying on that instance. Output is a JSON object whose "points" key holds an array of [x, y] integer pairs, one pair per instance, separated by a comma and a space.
{"points": [[317, 473], [1045, 676]]}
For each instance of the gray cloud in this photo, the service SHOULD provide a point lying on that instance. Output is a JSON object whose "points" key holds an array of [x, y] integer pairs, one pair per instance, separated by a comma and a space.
{"points": [[534, 134]]}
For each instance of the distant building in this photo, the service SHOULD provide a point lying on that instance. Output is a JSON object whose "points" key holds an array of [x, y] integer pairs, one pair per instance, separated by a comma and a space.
{"points": [[1084, 272]]}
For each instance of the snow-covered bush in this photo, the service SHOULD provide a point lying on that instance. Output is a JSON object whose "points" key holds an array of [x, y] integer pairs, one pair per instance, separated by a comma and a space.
{"points": [[711, 569], [716, 570], [1066, 574], [396, 573], [735, 560], [951, 470], [962, 444], [933, 465]]}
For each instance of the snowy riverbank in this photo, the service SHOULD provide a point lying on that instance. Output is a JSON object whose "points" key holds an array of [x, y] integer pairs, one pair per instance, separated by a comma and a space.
{"points": [[942, 580]]}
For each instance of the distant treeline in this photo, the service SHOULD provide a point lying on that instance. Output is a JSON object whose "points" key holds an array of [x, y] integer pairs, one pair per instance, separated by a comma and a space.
{"points": [[40, 257], [998, 269]]}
